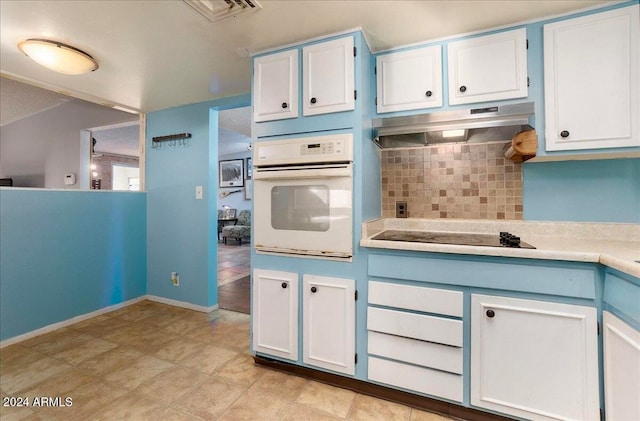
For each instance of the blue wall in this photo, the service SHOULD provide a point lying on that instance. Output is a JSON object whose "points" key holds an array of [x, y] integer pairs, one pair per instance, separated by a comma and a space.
{"points": [[68, 253], [583, 191], [182, 233]]}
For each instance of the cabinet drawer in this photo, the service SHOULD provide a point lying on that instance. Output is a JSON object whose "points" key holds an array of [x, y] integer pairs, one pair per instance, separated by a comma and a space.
{"points": [[429, 300], [427, 354], [419, 379], [417, 326]]}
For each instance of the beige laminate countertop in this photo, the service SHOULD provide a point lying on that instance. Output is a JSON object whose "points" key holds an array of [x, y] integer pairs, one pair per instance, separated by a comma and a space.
{"points": [[611, 244]]}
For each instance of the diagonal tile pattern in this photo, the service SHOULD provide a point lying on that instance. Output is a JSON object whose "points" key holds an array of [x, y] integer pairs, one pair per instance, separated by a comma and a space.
{"points": [[203, 372]]}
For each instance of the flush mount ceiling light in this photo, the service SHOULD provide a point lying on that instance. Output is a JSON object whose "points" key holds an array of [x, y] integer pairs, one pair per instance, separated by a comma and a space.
{"points": [[59, 57]]}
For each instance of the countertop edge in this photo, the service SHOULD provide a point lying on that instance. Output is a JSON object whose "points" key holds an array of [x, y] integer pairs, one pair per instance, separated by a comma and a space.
{"points": [[553, 248]]}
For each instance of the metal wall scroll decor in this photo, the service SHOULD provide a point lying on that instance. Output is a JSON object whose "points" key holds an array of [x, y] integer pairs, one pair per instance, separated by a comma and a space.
{"points": [[172, 140]]}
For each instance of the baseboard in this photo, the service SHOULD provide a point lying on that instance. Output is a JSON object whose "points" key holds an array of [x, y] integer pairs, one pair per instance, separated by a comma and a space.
{"points": [[450, 410], [182, 304], [68, 322]]}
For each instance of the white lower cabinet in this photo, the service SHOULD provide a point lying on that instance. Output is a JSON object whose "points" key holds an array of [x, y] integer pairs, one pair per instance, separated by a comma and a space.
{"points": [[329, 323], [275, 313], [413, 351], [534, 359], [621, 369]]}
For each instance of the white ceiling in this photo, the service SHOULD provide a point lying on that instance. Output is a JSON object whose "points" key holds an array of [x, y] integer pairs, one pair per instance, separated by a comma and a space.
{"points": [[159, 54]]}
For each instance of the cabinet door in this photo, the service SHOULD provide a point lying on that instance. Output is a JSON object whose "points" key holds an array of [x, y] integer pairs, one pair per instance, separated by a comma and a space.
{"points": [[621, 369], [275, 86], [328, 77], [409, 80], [329, 323], [488, 68], [275, 313], [591, 81], [534, 359]]}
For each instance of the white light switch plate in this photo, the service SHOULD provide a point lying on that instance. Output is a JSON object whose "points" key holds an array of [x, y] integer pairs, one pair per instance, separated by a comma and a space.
{"points": [[198, 192]]}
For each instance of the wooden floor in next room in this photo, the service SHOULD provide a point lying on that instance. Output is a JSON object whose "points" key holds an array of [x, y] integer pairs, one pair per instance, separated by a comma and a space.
{"points": [[234, 281]]}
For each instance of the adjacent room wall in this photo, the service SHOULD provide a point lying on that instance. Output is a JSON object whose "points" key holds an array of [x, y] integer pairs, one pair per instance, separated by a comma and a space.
{"points": [[235, 200], [68, 253], [38, 151]]}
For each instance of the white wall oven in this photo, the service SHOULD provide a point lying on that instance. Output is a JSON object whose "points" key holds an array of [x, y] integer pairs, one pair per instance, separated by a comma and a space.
{"points": [[303, 196]]}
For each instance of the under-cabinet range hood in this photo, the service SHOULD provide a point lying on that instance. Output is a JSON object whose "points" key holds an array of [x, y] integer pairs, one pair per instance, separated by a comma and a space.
{"points": [[500, 122]]}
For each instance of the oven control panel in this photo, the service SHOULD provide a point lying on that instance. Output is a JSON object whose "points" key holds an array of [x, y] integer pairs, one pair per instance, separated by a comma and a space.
{"points": [[322, 148], [317, 149]]}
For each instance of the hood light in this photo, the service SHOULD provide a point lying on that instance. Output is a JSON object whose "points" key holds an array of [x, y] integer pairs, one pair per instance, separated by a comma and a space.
{"points": [[454, 133], [59, 57]]}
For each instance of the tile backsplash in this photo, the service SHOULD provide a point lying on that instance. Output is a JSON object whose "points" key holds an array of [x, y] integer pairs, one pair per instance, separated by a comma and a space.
{"points": [[468, 181]]}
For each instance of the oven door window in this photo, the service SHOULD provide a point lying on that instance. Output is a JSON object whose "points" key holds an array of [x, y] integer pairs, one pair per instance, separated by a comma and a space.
{"points": [[300, 207]]}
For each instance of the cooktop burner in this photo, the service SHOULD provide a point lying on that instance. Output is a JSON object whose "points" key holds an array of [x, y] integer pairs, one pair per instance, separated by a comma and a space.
{"points": [[504, 239]]}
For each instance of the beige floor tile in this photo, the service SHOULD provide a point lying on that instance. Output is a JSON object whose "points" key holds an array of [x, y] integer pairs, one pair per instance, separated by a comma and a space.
{"points": [[170, 414], [131, 406], [151, 340], [110, 361], [287, 386], [102, 327], [46, 337], [85, 351], [161, 320], [88, 323], [183, 324], [18, 414], [142, 369], [331, 399], [240, 370], [210, 399], [86, 400], [257, 406], [300, 412], [17, 357], [171, 384], [61, 384], [207, 359], [126, 334], [178, 348], [32, 374], [66, 339], [367, 408], [418, 415]]}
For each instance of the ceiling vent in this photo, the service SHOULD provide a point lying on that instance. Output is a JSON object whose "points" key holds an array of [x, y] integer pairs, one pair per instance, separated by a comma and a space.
{"points": [[215, 10]]}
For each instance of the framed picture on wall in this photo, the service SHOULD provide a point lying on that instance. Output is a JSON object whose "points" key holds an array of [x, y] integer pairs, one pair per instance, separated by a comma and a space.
{"points": [[249, 168], [231, 173]]}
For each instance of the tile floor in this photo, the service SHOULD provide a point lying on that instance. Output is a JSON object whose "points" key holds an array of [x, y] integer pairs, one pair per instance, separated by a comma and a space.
{"points": [[233, 262], [151, 361]]}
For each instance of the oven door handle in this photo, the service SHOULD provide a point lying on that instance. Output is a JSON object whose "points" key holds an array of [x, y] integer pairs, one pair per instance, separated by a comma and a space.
{"points": [[283, 173]]}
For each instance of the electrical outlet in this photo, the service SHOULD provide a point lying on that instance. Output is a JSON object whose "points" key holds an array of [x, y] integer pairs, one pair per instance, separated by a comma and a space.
{"points": [[198, 192], [401, 209], [175, 279]]}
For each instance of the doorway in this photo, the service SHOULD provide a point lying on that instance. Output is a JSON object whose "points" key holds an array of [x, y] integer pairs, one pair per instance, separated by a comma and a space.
{"points": [[234, 258], [112, 157]]}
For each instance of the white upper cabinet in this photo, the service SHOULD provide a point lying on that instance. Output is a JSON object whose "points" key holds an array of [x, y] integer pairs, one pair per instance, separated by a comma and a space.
{"points": [[488, 68], [591, 81], [409, 80], [275, 86], [328, 77]]}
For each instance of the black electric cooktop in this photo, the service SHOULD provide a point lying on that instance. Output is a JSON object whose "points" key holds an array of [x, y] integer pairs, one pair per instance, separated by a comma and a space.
{"points": [[504, 239]]}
